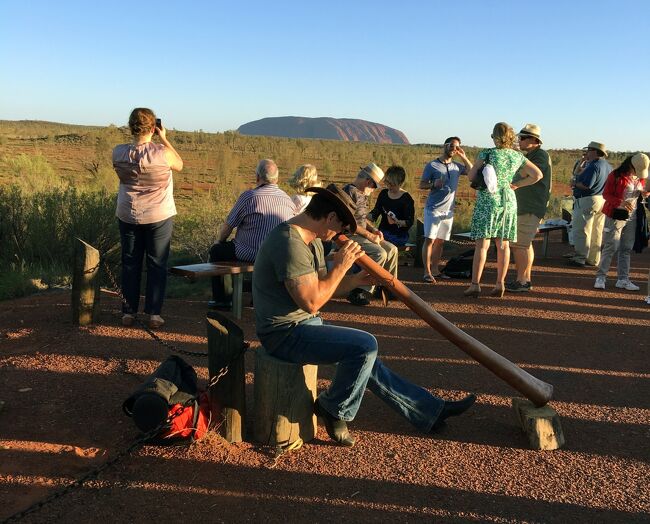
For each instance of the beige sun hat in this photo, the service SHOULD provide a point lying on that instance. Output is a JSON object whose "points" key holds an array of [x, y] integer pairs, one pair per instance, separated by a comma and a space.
{"points": [[531, 130], [597, 145], [374, 172], [641, 162]]}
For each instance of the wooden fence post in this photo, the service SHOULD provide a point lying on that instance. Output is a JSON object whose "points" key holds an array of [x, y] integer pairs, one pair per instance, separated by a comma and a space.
{"points": [[85, 284], [228, 397]]}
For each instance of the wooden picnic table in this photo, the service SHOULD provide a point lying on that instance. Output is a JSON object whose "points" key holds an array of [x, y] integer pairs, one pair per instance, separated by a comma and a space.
{"points": [[214, 269]]}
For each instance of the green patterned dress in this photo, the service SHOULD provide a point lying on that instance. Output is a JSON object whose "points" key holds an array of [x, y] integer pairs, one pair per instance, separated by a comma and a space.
{"points": [[495, 214]]}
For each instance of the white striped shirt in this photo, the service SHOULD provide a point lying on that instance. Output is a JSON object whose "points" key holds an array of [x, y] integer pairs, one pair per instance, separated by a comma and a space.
{"points": [[255, 214]]}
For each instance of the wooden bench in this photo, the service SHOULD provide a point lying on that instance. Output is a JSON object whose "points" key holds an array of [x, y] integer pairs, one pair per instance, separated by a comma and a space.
{"points": [[543, 229], [215, 269]]}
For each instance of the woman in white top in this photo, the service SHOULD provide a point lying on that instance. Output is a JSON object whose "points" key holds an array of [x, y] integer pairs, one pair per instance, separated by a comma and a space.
{"points": [[145, 207], [304, 177]]}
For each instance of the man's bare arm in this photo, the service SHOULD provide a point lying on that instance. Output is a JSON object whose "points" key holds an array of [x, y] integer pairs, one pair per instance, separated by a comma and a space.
{"points": [[224, 232], [311, 292]]}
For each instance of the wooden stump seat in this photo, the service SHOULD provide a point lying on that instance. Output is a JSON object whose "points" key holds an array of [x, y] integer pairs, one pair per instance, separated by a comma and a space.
{"points": [[284, 400]]}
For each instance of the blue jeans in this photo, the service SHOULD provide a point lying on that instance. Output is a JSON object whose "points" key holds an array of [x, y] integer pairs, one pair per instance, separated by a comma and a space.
{"points": [[138, 240], [355, 354]]}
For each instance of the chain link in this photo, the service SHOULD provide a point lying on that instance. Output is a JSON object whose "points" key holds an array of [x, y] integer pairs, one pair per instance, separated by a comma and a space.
{"points": [[152, 334], [77, 483], [139, 442]]}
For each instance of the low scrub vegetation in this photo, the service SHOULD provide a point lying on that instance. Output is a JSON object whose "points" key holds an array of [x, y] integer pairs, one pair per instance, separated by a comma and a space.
{"points": [[57, 183]]}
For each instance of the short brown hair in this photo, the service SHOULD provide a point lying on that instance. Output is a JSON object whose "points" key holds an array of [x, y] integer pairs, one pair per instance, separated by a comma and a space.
{"points": [[141, 121], [395, 175]]}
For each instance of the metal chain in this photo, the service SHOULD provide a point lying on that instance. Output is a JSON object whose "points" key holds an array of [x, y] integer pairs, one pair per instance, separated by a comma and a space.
{"points": [[139, 442], [151, 333], [465, 243]]}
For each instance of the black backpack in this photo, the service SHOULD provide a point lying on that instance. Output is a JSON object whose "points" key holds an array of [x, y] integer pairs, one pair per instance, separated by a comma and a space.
{"points": [[460, 266]]}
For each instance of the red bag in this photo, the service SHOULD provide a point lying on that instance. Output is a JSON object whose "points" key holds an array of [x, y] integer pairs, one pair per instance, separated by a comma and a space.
{"points": [[192, 422]]}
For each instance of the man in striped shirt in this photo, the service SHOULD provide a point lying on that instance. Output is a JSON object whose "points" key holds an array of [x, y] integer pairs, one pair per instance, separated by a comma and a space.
{"points": [[256, 212]]}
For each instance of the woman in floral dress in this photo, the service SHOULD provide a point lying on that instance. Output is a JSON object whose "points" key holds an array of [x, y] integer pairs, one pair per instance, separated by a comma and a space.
{"points": [[495, 213]]}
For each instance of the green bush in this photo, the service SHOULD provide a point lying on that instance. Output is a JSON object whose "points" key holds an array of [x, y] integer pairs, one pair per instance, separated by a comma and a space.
{"points": [[38, 229], [32, 173]]}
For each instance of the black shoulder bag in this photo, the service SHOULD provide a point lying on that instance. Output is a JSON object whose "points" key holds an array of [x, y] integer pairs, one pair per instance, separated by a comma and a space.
{"points": [[479, 181]]}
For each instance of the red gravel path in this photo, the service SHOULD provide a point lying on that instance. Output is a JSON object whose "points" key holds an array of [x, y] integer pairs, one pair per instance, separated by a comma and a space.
{"points": [[63, 386]]}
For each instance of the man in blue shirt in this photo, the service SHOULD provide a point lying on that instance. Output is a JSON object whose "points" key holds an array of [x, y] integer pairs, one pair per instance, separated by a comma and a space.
{"points": [[587, 222], [440, 176]]}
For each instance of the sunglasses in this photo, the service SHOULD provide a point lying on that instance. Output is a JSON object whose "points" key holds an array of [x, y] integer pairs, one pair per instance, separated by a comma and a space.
{"points": [[371, 180]]}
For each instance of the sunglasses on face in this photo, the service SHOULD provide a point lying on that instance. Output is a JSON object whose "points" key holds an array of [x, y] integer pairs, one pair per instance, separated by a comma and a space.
{"points": [[371, 180]]}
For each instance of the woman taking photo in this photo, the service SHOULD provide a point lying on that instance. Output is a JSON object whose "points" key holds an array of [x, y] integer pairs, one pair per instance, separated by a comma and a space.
{"points": [[495, 211], [622, 189], [145, 207]]}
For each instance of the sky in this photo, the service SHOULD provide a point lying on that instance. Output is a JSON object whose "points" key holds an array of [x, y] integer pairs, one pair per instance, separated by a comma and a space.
{"points": [[579, 69]]}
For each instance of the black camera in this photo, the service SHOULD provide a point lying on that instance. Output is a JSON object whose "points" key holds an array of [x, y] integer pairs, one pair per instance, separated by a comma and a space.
{"points": [[158, 124]]}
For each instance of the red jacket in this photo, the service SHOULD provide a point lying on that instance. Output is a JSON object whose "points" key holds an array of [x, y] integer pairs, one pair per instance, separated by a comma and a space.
{"points": [[614, 191]]}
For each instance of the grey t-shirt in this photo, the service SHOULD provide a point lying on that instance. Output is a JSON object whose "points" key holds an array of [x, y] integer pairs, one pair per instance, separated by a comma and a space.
{"points": [[282, 256], [441, 200]]}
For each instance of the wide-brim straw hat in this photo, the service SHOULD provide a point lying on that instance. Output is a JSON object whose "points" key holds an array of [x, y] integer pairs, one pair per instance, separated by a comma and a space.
{"points": [[345, 207], [641, 162], [531, 130], [597, 145], [374, 171]]}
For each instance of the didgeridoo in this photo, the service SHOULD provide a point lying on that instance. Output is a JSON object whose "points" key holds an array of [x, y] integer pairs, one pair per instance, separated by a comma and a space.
{"points": [[537, 391]]}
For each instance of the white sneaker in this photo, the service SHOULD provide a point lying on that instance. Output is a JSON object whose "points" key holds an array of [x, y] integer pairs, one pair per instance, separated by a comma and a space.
{"points": [[647, 299], [600, 283], [626, 284]]}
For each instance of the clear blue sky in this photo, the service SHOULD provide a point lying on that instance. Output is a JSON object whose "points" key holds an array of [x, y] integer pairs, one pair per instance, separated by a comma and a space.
{"points": [[579, 69]]}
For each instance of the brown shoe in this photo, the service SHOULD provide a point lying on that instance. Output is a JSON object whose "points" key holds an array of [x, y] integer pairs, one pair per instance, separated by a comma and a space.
{"points": [[498, 291], [474, 290], [128, 319], [156, 321]]}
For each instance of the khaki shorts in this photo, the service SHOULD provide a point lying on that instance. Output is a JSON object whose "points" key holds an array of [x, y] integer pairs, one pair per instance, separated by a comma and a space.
{"points": [[526, 230]]}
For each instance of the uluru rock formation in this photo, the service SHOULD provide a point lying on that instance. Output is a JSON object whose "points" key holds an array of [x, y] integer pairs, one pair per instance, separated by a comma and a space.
{"points": [[349, 129]]}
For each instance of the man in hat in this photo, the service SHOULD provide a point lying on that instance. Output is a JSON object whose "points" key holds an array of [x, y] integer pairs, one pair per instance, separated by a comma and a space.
{"points": [[291, 283], [532, 202], [256, 212], [367, 235], [588, 220]]}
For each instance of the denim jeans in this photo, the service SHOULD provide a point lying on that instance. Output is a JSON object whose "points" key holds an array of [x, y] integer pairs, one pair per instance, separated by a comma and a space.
{"points": [[355, 354], [138, 240]]}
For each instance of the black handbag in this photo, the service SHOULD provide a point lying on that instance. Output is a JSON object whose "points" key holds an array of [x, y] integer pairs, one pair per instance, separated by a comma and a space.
{"points": [[479, 181], [620, 214]]}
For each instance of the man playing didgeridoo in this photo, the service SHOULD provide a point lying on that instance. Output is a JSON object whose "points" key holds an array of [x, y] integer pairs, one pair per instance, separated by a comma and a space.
{"points": [[291, 283]]}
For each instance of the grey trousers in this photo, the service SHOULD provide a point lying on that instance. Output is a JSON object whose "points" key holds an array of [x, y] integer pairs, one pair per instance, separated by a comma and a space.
{"points": [[385, 254], [587, 228], [618, 236]]}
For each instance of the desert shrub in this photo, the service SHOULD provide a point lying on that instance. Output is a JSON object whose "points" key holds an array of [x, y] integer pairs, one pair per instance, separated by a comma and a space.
{"points": [[39, 228], [32, 173]]}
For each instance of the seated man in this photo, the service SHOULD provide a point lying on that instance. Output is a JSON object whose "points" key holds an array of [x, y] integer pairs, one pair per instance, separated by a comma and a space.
{"points": [[256, 212], [291, 283], [367, 235]]}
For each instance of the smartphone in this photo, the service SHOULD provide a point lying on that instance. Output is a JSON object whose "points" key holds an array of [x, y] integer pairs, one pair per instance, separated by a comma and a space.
{"points": [[158, 124]]}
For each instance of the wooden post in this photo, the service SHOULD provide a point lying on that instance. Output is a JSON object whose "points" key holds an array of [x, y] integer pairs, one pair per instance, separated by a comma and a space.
{"points": [[541, 425], [284, 400], [228, 397], [85, 284]]}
